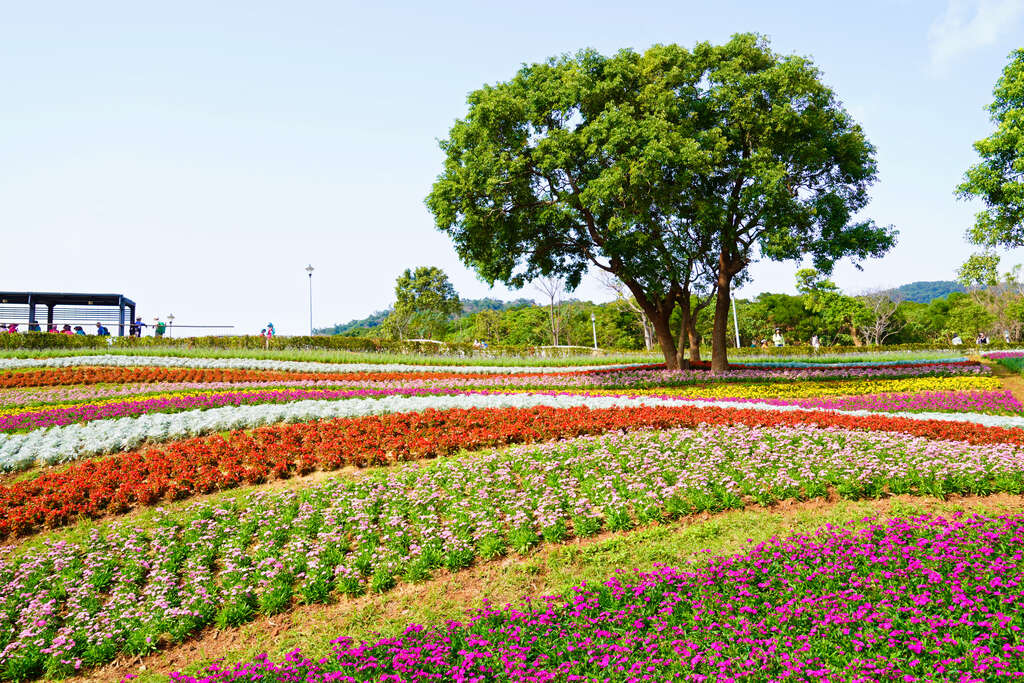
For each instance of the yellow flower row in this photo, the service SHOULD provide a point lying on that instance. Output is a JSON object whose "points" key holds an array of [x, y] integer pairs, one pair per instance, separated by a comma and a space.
{"points": [[819, 389]]}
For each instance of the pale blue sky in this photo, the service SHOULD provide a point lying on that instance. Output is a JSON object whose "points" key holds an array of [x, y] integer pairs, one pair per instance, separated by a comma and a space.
{"points": [[220, 147]]}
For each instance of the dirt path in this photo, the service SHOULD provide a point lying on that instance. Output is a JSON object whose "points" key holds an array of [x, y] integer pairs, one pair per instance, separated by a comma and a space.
{"points": [[1012, 382]]}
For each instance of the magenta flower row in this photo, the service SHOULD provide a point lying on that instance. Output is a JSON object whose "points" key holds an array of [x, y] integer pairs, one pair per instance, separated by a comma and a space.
{"points": [[919, 599]]}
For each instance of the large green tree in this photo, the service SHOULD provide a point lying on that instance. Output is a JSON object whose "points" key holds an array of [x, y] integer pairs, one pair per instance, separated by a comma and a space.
{"points": [[672, 169], [424, 301], [998, 180]]}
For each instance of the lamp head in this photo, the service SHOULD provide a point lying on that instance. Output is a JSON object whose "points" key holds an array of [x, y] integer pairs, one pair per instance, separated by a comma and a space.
{"points": [[309, 269]]}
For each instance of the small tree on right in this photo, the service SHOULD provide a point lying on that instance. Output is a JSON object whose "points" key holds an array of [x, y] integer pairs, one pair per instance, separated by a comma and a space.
{"points": [[998, 180]]}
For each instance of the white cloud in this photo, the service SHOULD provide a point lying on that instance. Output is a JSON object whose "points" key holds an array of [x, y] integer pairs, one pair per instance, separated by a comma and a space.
{"points": [[967, 25]]}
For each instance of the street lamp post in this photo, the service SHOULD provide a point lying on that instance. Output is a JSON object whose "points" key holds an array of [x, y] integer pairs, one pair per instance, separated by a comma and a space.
{"points": [[593, 327], [309, 269], [170, 325]]}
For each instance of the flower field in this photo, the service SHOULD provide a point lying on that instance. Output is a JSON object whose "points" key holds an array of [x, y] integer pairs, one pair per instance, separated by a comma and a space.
{"points": [[316, 483], [913, 600]]}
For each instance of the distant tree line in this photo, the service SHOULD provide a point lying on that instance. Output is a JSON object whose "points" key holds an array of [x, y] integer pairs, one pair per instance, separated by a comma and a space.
{"points": [[427, 307]]}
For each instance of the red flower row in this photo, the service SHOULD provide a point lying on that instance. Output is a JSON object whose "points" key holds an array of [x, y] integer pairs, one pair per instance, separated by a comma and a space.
{"points": [[210, 463], [125, 375]]}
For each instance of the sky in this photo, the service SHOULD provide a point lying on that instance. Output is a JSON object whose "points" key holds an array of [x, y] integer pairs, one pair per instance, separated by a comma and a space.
{"points": [[197, 156]]}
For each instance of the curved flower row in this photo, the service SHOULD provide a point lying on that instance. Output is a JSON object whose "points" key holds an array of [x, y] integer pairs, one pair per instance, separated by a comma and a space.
{"points": [[60, 444], [282, 365], [48, 417], [813, 389], [71, 442], [202, 465], [79, 440], [871, 361], [121, 589], [916, 599], [955, 401], [996, 355], [54, 396], [986, 401], [604, 377], [103, 375]]}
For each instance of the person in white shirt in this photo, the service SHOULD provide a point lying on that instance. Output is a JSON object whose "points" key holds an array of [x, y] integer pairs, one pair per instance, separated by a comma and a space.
{"points": [[777, 338], [957, 341]]}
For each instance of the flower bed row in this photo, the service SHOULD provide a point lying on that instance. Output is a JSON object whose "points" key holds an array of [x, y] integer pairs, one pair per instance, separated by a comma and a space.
{"points": [[604, 377], [114, 360], [206, 464], [119, 375], [641, 379], [871, 361], [48, 417], [121, 589], [815, 389], [922, 398], [74, 441], [946, 401], [17, 399], [80, 440], [917, 599]]}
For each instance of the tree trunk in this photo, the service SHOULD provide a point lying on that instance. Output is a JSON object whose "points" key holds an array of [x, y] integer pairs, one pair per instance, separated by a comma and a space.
{"points": [[694, 340], [728, 267], [685, 319], [681, 360], [719, 357], [666, 341], [853, 335], [659, 311]]}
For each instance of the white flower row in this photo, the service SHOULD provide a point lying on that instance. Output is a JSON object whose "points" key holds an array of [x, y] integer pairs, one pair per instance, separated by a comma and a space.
{"points": [[280, 365], [69, 442]]}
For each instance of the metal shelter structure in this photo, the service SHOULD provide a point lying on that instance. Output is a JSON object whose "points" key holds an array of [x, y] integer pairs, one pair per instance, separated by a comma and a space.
{"points": [[66, 307]]}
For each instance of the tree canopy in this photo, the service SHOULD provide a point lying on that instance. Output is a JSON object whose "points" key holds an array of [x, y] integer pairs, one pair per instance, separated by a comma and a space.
{"points": [[424, 300], [998, 180], [673, 170]]}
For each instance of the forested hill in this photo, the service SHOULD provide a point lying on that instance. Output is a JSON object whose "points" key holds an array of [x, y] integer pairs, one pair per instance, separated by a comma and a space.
{"points": [[368, 323], [469, 307], [925, 292]]}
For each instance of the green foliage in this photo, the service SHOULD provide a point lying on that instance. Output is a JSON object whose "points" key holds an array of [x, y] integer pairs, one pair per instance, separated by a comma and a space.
{"points": [[45, 340], [424, 301], [967, 317], [979, 270], [837, 312], [650, 166], [998, 180]]}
